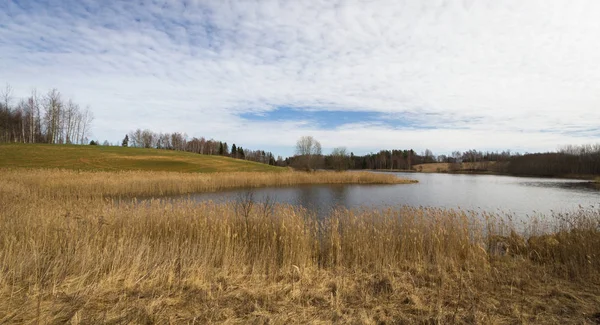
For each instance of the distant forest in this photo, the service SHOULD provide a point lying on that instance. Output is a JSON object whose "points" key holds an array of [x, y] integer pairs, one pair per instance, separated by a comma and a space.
{"points": [[180, 141], [581, 160], [51, 118]]}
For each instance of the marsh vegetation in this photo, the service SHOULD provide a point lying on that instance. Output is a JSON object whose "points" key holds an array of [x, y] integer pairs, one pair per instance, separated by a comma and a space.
{"points": [[70, 251]]}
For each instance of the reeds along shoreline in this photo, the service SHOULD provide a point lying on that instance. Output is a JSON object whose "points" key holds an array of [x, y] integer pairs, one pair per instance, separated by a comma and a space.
{"points": [[264, 238], [66, 183], [81, 258]]}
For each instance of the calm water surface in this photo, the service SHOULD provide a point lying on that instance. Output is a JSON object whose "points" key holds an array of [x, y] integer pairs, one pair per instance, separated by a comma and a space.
{"points": [[515, 195]]}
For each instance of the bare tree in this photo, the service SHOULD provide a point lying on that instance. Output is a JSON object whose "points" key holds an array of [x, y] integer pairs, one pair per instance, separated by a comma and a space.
{"points": [[33, 114], [308, 151], [178, 141], [6, 97], [21, 115], [136, 138], [340, 159], [87, 117], [148, 139], [52, 106]]}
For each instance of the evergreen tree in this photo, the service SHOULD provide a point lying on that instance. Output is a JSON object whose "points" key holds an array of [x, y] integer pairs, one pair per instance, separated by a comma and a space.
{"points": [[125, 141], [220, 148], [233, 151], [271, 159]]}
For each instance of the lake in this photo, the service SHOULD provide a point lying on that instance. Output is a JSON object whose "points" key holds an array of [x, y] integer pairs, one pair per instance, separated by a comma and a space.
{"points": [[521, 196]]}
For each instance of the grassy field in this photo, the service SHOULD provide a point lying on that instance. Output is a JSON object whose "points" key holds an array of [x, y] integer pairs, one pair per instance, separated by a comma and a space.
{"points": [[118, 158], [80, 257], [457, 168]]}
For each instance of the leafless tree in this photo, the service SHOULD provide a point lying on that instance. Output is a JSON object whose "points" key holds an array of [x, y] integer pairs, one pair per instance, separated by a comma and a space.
{"points": [[147, 139], [86, 121], [428, 156], [178, 141], [135, 137], [6, 97], [340, 159], [33, 115], [52, 107], [308, 152]]}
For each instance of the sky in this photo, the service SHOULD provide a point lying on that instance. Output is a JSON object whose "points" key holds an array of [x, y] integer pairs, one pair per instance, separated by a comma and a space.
{"points": [[367, 75]]}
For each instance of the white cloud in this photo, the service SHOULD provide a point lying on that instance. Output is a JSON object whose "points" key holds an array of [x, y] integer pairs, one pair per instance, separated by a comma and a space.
{"points": [[477, 74]]}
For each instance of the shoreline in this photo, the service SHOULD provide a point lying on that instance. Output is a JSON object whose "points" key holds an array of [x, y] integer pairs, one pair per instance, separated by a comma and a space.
{"points": [[68, 183], [591, 178]]}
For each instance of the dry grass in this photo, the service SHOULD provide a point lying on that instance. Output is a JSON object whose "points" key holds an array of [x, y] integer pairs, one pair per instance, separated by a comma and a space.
{"points": [[83, 259], [485, 166], [432, 168], [68, 183]]}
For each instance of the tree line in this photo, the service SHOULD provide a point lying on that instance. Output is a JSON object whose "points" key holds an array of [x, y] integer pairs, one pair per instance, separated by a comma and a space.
{"points": [[570, 160], [583, 160], [181, 142], [43, 118], [309, 156]]}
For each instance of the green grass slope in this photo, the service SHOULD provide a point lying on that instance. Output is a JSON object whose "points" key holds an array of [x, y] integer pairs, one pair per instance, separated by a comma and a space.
{"points": [[118, 158]]}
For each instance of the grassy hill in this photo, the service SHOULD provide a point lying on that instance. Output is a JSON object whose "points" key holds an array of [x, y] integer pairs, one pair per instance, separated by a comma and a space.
{"points": [[118, 158]]}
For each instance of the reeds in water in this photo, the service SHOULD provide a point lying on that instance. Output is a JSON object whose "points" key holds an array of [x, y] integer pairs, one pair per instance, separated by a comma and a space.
{"points": [[68, 183]]}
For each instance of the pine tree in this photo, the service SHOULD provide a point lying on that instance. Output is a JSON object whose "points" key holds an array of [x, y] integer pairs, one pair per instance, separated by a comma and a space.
{"points": [[125, 141], [233, 151], [271, 159]]}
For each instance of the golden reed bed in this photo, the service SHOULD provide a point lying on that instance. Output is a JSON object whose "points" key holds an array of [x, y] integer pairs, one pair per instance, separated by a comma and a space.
{"points": [[80, 258], [57, 183]]}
